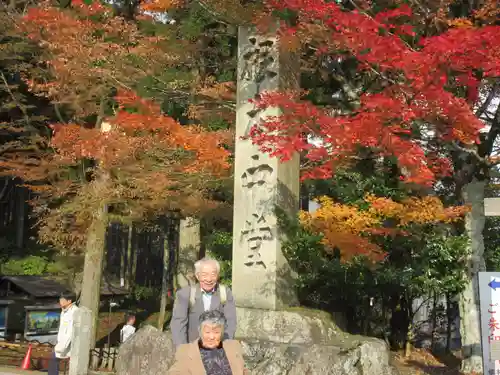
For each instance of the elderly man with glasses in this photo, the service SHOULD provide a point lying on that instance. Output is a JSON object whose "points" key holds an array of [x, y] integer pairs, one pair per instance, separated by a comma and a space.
{"points": [[192, 301]]}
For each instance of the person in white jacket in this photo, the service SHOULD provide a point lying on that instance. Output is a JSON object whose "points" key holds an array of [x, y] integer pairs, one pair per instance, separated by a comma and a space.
{"points": [[62, 350], [128, 329]]}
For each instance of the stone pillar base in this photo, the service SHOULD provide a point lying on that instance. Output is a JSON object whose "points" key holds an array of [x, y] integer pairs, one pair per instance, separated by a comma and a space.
{"points": [[300, 341], [294, 325]]}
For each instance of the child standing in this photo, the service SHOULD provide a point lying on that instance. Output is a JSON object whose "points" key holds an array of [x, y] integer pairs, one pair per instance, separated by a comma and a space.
{"points": [[128, 329]]}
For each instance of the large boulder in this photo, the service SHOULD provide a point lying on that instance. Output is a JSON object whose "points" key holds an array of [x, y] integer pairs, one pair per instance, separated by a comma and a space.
{"points": [[298, 341], [368, 357], [148, 352]]}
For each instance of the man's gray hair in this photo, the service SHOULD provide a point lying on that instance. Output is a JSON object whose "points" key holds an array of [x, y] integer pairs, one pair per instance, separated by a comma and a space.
{"points": [[212, 317], [205, 261]]}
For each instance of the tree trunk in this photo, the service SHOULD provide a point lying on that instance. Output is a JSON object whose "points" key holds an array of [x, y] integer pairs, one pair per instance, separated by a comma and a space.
{"points": [[410, 328], [133, 245], [164, 283], [21, 216], [434, 322], [473, 194], [95, 247], [407, 351], [449, 323], [123, 257], [130, 279], [92, 269], [366, 320], [189, 251]]}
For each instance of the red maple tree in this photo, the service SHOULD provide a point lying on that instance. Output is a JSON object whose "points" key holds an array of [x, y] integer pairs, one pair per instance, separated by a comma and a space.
{"points": [[414, 101]]}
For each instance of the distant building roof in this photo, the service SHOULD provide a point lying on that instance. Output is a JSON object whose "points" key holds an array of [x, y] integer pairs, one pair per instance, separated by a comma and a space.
{"points": [[109, 290], [42, 287], [54, 306], [37, 286]]}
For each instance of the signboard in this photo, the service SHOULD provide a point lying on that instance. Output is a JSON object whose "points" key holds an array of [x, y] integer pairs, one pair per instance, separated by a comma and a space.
{"points": [[3, 320], [489, 299], [42, 322]]}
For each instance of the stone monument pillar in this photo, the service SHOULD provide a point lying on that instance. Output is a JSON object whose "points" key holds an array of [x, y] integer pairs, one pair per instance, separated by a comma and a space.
{"points": [[262, 278], [81, 342]]}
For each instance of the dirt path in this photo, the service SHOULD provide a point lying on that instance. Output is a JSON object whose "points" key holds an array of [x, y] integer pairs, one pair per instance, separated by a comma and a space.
{"points": [[15, 371], [422, 362]]}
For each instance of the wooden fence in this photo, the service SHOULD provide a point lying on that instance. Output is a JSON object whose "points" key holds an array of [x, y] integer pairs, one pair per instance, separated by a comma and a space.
{"points": [[103, 359]]}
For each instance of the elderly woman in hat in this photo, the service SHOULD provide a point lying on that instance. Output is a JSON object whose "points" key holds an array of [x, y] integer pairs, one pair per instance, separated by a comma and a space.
{"points": [[209, 355]]}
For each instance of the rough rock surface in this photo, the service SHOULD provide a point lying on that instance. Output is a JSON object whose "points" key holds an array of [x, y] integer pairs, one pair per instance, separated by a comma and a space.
{"points": [[299, 341], [291, 326], [148, 352], [368, 357]]}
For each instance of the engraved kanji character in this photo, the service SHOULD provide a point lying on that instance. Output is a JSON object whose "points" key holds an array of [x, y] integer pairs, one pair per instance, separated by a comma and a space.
{"points": [[257, 175], [493, 324], [258, 59], [256, 231]]}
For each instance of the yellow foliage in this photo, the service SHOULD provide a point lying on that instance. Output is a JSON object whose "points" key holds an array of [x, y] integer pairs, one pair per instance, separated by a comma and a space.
{"points": [[413, 210], [487, 14], [161, 5], [460, 23], [346, 226]]}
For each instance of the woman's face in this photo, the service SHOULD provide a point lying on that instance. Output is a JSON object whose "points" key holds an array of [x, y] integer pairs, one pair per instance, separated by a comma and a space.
{"points": [[211, 335]]}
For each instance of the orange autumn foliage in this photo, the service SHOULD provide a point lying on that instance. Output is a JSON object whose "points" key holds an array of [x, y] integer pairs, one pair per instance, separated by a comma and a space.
{"points": [[488, 13], [160, 5], [89, 51], [110, 147], [145, 164], [131, 134], [347, 227]]}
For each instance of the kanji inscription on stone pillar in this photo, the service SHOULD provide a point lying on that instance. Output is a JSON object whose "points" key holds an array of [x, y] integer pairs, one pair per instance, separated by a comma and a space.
{"points": [[261, 275]]}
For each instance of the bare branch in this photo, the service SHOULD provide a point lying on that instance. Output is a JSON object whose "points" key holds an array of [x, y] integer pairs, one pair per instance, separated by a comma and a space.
{"points": [[470, 151], [488, 100], [4, 189], [18, 103], [215, 15], [493, 132]]}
